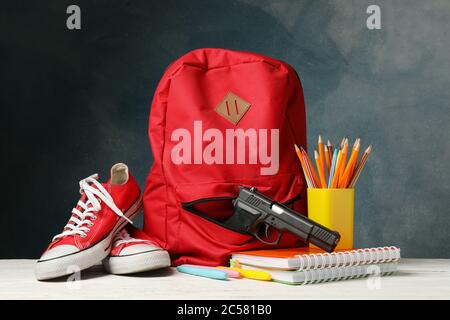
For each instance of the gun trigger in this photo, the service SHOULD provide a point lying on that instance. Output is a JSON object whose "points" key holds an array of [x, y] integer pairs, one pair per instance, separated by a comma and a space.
{"points": [[266, 231], [267, 242]]}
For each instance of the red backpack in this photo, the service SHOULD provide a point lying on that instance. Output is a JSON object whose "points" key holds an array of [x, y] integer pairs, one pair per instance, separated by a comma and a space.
{"points": [[221, 119]]}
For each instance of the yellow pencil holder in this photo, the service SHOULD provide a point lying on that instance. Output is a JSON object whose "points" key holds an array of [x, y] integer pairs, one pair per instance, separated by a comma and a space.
{"points": [[334, 209]]}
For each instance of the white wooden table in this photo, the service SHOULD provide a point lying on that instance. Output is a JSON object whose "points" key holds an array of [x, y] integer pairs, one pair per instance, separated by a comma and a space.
{"points": [[416, 279]]}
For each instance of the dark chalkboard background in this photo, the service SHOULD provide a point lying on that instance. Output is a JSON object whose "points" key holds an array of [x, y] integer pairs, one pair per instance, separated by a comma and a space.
{"points": [[75, 102]]}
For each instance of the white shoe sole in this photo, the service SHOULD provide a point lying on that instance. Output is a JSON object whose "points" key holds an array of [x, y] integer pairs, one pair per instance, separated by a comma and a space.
{"points": [[138, 262], [71, 263]]}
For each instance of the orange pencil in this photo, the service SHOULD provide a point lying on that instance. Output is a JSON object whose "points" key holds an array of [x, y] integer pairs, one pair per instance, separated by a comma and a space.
{"points": [[344, 161], [320, 170], [310, 167], [350, 166], [360, 166], [321, 160], [327, 159], [352, 171], [305, 171], [336, 170]]}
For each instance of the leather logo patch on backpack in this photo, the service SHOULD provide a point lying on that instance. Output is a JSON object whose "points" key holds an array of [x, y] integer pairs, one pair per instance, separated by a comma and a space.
{"points": [[232, 108]]}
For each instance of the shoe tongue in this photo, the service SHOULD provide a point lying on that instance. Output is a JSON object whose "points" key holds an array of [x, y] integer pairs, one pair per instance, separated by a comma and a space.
{"points": [[119, 174]]}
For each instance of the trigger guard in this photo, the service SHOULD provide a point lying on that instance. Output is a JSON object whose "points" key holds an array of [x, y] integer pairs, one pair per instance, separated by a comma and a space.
{"points": [[274, 243]]}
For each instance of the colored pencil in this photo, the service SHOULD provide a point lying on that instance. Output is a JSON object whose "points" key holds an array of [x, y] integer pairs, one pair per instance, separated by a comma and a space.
{"points": [[333, 166], [360, 166], [330, 150], [302, 163], [308, 174], [320, 170], [327, 159], [310, 167], [310, 170], [342, 142], [350, 166], [336, 170], [343, 162]]}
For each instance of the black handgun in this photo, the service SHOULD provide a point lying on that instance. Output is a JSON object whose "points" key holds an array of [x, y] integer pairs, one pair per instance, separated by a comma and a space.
{"points": [[256, 213]]}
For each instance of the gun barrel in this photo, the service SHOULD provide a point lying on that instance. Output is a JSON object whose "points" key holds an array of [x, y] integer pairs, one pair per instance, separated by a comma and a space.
{"points": [[307, 229]]}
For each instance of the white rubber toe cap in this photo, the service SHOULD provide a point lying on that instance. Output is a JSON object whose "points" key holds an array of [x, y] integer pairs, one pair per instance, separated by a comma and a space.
{"points": [[59, 251], [138, 248]]}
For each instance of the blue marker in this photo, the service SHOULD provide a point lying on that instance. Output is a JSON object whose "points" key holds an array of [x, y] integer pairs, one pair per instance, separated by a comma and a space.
{"points": [[203, 272], [333, 165]]}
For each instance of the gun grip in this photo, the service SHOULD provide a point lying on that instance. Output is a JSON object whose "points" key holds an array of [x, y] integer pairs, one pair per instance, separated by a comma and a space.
{"points": [[241, 221]]}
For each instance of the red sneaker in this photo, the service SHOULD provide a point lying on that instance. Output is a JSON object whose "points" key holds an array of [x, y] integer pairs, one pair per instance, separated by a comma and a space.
{"points": [[102, 211], [135, 253]]}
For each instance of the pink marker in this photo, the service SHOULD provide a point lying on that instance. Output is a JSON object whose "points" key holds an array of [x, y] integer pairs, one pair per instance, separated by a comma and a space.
{"points": [[231, 273]]}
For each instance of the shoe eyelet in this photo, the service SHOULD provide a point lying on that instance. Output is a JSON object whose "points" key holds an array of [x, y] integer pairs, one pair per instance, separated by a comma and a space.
{"points": [[94, 218], [90, 224], [83, 235], [88, 230]]}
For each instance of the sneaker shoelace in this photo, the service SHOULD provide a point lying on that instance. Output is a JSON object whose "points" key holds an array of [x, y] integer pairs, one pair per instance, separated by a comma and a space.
{"points": [[81, 220], [124, 237]]}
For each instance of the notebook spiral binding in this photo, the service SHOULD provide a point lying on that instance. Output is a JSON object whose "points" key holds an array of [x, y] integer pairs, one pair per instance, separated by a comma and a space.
{"points": [[348, 258], [349, 272]]}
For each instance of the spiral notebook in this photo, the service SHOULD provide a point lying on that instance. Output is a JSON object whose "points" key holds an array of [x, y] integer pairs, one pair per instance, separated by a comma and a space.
{"points": [[311, 258], [328, 274]]}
